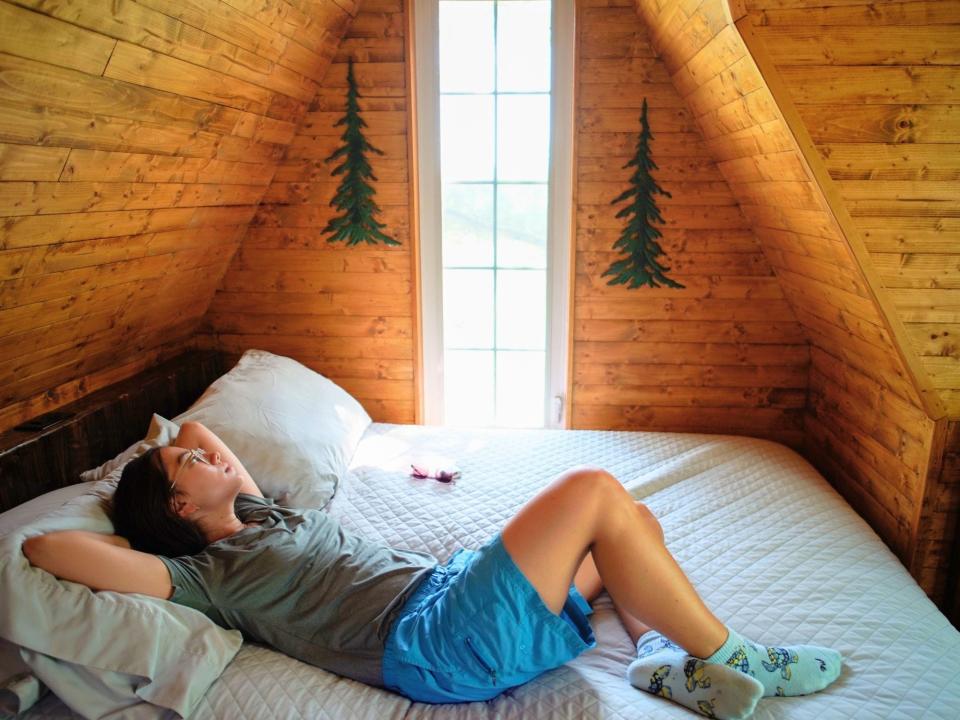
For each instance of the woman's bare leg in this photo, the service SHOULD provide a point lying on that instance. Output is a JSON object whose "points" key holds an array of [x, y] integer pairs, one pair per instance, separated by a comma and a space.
{"points": [[586, 510], [589, 584], [587, 579]]}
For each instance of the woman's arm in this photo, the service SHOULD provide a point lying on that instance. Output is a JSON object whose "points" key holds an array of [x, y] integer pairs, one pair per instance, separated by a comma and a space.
{"points": [[196, 435], [99, 561]]}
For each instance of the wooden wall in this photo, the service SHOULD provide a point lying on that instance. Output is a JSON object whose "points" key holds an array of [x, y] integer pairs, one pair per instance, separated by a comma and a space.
{"points": [[136, 140], [870, 424], [937, 554], [732, 364], [348, 313], [877, 86], [947, 503], [726, 354]]}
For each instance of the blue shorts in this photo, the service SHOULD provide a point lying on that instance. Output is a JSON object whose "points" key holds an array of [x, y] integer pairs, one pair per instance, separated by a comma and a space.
{"points": [[475, 627]]}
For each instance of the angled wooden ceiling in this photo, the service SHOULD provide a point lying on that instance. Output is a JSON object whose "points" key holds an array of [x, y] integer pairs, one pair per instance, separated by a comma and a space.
{"points": [[136, 141], [875, 90], [875, 423]]}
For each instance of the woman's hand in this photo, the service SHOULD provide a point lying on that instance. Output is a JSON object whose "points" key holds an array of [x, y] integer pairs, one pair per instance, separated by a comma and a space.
{"points": [[196, 435]]}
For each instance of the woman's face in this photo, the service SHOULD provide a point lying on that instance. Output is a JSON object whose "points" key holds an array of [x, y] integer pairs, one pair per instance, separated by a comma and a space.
{"points": [[205, 480]]}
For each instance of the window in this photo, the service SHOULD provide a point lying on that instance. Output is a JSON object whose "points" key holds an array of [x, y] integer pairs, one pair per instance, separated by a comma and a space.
{"points": [[495, 139]]}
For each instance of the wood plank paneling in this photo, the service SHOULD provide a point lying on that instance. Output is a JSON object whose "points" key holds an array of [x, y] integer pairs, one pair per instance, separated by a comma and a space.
{"points": [[937, 538], [347, 312], [297, 293], [101, 424], [706, 358], [877, 88], [136, 141], [867, 422]]}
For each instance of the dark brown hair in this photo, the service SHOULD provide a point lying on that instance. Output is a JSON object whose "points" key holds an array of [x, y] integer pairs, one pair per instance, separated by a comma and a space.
{"points": [[142, 510]]}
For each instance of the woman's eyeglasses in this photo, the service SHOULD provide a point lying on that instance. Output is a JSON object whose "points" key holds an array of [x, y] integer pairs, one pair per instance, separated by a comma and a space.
{"points": [[192, 456]]}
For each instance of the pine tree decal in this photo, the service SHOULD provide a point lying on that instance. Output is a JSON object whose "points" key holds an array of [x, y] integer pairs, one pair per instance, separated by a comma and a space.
{"points": [[638, 238], [354, 196]]}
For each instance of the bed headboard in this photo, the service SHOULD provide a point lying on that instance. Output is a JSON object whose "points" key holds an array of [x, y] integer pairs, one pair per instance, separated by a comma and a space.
{"points": [[100, 425]]}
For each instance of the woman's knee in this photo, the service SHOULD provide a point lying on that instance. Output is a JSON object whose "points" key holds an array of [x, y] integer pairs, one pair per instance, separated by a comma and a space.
{"points": [[589, 481], [597, 492], [649, 519], [600, 493]]}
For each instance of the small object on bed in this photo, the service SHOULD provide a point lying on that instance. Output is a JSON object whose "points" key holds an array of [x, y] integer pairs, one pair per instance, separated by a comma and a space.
{"points": [[444, 475]]}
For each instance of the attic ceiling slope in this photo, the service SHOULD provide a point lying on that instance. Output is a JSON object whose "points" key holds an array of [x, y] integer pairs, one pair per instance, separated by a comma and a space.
{"points": [[136, 142], [871, 424], [721, 68], [875, 91]]}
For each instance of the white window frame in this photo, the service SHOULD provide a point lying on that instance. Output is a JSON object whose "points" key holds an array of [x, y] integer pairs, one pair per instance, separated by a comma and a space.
{"points": [[559, 224]]}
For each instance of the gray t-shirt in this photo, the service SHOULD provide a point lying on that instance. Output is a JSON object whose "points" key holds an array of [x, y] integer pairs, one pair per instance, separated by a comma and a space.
{"points": [[302, 584]]}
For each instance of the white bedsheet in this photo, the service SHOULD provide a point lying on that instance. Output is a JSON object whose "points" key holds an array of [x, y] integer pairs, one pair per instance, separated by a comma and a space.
{"points": [[772, 548]]}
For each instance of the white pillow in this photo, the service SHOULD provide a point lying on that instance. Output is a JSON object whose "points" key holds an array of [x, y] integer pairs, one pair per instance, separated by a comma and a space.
{"points": [[105, 652], [161, 432], [294, 430], [19, 687], [29, 511]]}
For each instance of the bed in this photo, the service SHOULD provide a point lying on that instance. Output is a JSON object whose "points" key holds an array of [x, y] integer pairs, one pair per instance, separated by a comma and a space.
{"points": [[772, 548]]}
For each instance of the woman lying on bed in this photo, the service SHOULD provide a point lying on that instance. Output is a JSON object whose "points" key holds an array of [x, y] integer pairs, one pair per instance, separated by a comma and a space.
{"points": [[193, 527]]}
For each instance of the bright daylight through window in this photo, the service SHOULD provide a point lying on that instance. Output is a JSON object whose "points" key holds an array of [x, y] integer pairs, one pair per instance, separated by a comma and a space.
{"points": [[494, 167]]}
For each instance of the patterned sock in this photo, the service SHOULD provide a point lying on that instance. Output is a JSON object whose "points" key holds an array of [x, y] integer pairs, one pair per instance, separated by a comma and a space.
{"points": [[784, 671], [716, 691]]}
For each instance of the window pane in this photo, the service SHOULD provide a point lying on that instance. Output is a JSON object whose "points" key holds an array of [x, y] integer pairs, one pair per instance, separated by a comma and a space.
{"points": [[466, 46], [468, 387], [523, 137], [494, 112], [467, 308], [467, 225], [523, 46], [520, 379], [466, 137], [521, 309], [522, 226]]}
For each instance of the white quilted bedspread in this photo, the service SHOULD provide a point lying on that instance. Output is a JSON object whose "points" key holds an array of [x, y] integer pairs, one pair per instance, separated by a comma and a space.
{"points": [[772, 548]]}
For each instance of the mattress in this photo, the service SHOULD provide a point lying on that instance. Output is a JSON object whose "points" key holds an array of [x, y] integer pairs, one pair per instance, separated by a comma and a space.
{"points": [[772, 548]]}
